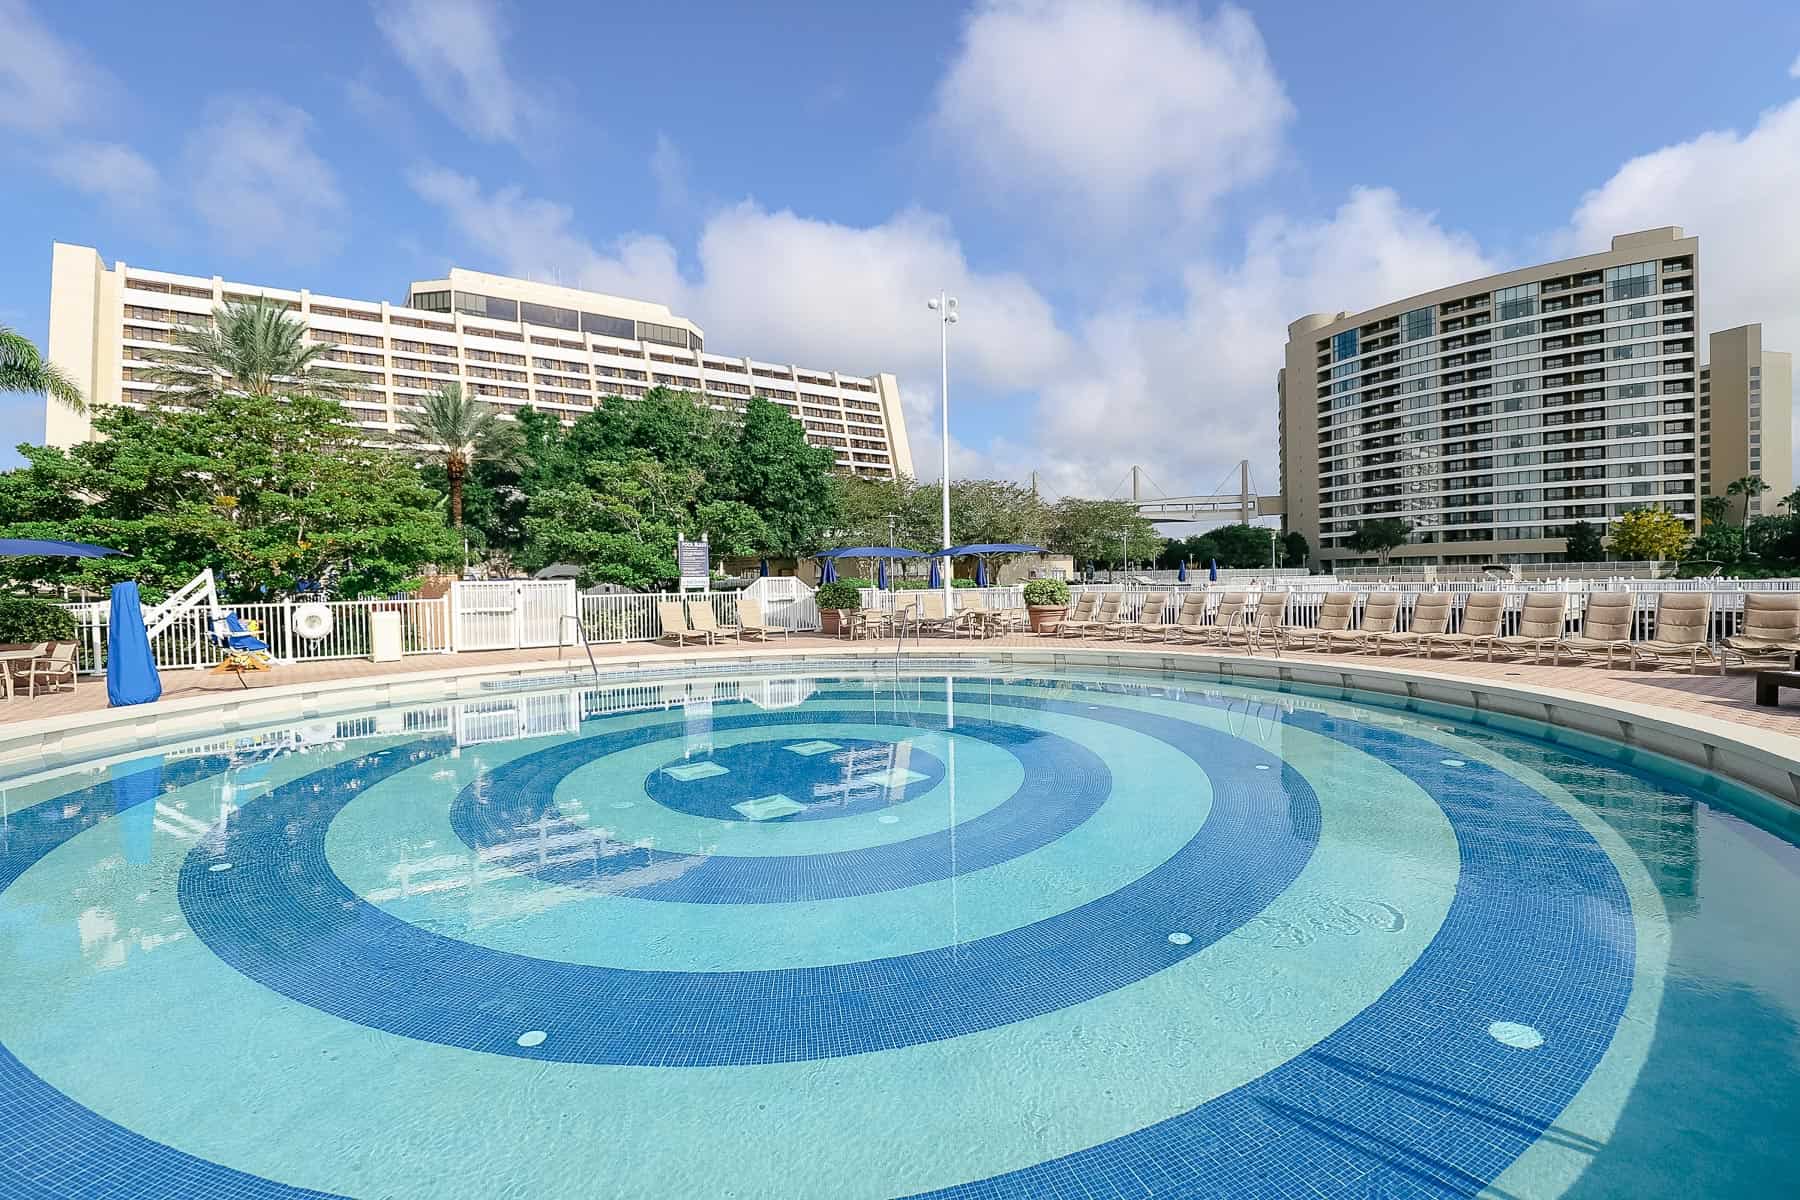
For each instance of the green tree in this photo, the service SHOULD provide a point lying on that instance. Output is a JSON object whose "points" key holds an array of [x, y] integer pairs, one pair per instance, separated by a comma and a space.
{"points": [[249, 346], [23, 369], [1099, 531], [265, 491], [1749, 487], [1379, 537], [1725, 544], [1241, 546], [1714, 509], [783, 479], [1583, 543], [1649, 534], [1294, 549], [459, 429]]}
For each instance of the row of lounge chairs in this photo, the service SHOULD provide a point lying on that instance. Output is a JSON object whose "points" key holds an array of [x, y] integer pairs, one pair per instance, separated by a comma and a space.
{"points": [[696, 622], [1770, 632]]}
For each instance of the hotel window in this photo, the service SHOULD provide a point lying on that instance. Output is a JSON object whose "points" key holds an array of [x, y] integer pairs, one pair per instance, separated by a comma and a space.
{"points": [[544, 314], [1419, 323], [491, 307], [1630, 282], [1514, 302], [664, 335], [1343, 345]]}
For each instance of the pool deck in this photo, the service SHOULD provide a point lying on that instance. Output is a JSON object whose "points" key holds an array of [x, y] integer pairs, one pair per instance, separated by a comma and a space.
{"points": [[1728, 698]]}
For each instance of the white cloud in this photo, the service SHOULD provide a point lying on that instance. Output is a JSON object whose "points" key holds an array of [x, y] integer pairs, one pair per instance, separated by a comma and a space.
{"points": [[1117, 108], [45, 84], [119, 175], [781, 286], [669, 171], [453, 49], [259, 185]]}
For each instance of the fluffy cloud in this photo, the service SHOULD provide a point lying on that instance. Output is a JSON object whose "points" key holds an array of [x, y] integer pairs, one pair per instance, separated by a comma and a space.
{"points": [[1113, 107], [782, 286], [117, 174], [453, 49], [45, 85], [259, 185]]}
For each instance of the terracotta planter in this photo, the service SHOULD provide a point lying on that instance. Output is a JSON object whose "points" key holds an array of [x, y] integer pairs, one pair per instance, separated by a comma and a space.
{"points": [[1045, 617], [834, 621]]}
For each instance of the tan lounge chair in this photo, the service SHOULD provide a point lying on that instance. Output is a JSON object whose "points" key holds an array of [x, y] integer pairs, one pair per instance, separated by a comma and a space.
{"points": [[1771, 630], [1680, 634], [1430, 617], [1605, 628], [1228, 620], [1380, 615], [751, 624], [701, 617], [1266, 622], [1080, 608], [1336, 612], [1190, 619], [675, 628], [1542, 624], [1150, 622], [1481, 617], [1105, 613], [936, 617]]}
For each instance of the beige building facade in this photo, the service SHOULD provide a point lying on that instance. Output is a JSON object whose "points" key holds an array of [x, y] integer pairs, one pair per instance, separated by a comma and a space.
{"points": [[1746, 419], [1492, 414], [513, 342]]}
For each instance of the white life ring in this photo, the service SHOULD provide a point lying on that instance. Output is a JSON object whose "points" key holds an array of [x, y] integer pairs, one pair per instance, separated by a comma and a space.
{"points": [[312, 621]]}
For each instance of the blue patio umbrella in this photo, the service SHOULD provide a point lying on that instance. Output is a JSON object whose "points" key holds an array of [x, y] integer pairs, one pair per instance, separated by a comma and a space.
{"points": [[1181, 575], [765, 568], [1213, 573], [937, 578], [881, 574], [829, 574], [131, 676], [981, 578], [35, 547]]}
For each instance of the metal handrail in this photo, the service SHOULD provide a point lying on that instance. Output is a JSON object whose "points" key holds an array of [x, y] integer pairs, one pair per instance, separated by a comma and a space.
{"points": [[593, 666]]}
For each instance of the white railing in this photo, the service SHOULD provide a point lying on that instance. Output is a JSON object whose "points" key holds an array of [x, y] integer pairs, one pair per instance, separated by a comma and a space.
{"points": [[631, 616], [787, 602], [992, 598], [424, 629]]}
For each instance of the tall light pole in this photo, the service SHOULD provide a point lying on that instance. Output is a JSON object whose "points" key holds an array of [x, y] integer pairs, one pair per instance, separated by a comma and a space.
{"points": [[945, 307]]}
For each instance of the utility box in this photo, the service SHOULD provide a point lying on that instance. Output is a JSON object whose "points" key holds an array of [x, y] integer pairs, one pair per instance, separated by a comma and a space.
{"points": [[384, 637]]}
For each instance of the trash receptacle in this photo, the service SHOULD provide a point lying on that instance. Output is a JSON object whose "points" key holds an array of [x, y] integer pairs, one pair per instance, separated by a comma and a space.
{"points": [[384, 637]]}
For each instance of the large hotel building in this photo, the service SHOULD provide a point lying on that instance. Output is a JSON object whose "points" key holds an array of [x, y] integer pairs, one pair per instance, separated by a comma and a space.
{"points": [[511, 341], [1492, 414]]}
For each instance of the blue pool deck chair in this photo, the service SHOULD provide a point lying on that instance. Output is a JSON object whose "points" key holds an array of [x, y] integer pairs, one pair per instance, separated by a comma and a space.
{"points": [[244, 651]]}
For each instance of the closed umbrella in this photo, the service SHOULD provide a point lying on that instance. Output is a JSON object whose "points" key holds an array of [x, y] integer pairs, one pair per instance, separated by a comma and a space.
{"points": [[131, 676], [981, 572], [881, 574], [937, 578], [1181, 575], [1213, 574], [829, 574], [765, 568]]}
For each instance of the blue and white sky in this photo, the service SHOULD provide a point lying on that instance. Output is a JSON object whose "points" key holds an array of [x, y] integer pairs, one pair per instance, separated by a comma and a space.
{"points": [[1131, 198]]}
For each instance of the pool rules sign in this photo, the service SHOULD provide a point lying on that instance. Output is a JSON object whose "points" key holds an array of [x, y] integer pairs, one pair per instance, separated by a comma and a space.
{"points": [[694, 561]]}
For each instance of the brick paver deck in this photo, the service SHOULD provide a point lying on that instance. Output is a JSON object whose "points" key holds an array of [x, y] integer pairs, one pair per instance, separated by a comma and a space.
{"points": [[1730, 697]]}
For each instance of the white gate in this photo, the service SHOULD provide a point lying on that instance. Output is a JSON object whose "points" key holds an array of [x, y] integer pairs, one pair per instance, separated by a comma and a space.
{"points": [[510, 614]]}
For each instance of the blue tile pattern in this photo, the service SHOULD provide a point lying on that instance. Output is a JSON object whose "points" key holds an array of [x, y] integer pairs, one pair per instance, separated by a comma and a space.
{"points": [[837, 784]]}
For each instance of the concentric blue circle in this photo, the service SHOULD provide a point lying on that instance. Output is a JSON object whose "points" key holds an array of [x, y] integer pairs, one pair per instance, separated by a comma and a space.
{"points": [[794, 781]]}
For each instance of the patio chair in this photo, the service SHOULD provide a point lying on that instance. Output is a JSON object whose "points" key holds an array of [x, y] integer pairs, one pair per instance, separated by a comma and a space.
{"points": [[1228, 620], [1430, 617], [1381, 615], [1680, 634], [1008, 618], [53, 670], [672, 616], [1190, 619], [1605, 627], [15, 664], [1771, 631], [244, 650], [1150, 622], [1266, 624], [936, 617], [1482, 615], [974, 611], [1542, 624], [906, 613], [1081, 607], [1106, 613], [701, 617], [751, 623], [1337, 623]]}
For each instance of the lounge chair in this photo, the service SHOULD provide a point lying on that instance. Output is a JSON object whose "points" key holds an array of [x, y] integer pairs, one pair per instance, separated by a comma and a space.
{"points": [[1227, 620], [974, 611], [1481, 617], [1542, 624], [1430, 617], [1771, 631], [1080, 609], [1190, 619], [1680, 634], [1337, 623], [1380, 615], [53, 669], [751, 623], [1008, 618], [1266, 622], [244, 650], [1605, 628], [936, 617], [1105, 614], [1150, 622], [671, 615], [702, 618]]}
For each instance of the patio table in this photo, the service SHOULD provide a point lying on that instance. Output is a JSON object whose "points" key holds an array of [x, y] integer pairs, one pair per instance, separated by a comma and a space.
{"points": [[7, 659]]}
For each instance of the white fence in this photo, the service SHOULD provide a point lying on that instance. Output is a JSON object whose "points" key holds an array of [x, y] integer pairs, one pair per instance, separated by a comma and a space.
{"points": [[992, 598]]}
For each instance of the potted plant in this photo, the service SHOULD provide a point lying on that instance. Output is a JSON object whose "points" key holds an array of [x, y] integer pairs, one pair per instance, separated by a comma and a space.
{"points": [[837, 603], [1046, 600]]}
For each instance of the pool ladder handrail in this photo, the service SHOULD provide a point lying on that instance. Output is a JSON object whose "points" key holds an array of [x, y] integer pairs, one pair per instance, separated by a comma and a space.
{"points": [[593, 666]]}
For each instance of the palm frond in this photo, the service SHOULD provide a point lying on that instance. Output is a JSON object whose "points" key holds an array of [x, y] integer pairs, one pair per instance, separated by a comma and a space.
{"points": [[250, 346], [23, 369]]}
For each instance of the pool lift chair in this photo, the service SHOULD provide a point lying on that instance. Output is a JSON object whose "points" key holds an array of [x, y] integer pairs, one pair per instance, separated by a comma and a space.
{"points": [[242, 649]]}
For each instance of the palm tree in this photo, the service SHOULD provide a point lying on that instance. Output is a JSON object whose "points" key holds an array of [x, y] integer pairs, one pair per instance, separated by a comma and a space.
{"points": [[251, 347], [460, 429], [1714, 509], [23, 369], [1749, 487]]}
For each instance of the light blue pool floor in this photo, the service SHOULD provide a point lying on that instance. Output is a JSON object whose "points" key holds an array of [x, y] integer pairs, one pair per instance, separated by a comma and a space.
{"points": [[1075, 935]]}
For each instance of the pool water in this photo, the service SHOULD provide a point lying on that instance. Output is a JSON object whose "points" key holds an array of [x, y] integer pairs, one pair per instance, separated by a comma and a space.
{"points": [[1037, 934]]}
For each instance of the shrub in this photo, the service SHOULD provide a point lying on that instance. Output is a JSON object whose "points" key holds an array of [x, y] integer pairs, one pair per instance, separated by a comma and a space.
{"points": [[1046, 591], [840, 595], [24, 619]]}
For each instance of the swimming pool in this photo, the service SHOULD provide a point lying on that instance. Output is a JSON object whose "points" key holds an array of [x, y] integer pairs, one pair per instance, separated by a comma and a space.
{"points": [[1014, 933]]}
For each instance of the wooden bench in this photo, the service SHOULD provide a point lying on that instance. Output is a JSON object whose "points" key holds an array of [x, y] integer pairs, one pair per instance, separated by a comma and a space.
{"points": [[1770, 683]]}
